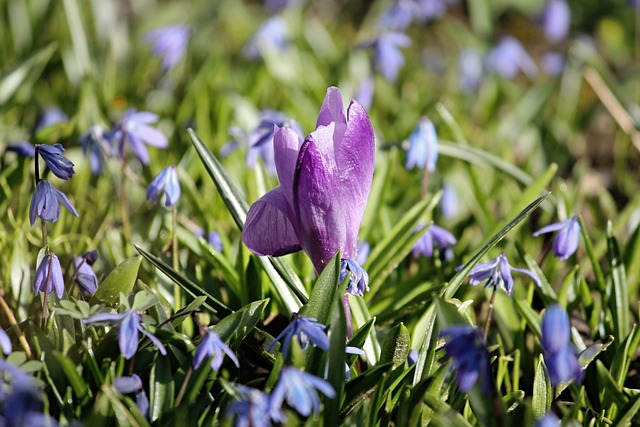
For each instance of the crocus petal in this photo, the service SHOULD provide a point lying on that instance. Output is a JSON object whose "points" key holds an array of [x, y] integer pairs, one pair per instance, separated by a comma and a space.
{"points": [[270, 226], [128, 334], [332, 109], [286, 145]]}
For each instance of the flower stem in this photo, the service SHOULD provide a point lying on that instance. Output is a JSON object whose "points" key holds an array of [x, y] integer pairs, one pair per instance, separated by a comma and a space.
{"points": [[126, 226], [174, 254], [183, 387], [487, 322], [12, 320], [347, 315], [45, 299]]}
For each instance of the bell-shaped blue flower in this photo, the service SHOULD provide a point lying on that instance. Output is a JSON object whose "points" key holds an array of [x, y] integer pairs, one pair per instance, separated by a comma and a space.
{"points": [[423, 146], [556, 20], [136, 131], [97, 146], [85, 277], [497, 273], [358, 277], [449, 202], [130, 325], [509, 57], [169, 43], [469, 70], [254, 409], [212, 346], [52, 115], [133, 385], [166, 182], [560, 355], [434, 235], [300, 390], [467, 349], [55, 160], [388, 58], [46, 202], [566, 242], [548, 420], [305, 330], [271, 36], [49, 276]]}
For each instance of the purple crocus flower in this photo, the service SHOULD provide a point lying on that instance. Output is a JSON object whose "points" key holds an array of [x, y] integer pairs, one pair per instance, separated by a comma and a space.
{"points": [[49, 276], [5, 342], [560, 355], [133, 385], [300, 390], [85, 277], [467, 349], [254, 410], [130, 324], [566, 242], [134, 129], [324, 186], [548, 420], [212, 346], [358, 277], [469, 70], [97, 146], [169, 43], [273, 35], [388, 57], [23, 149], [508, 58], [46, 202], [497, 273], [51, 116], [423, 146], [166, 182], [55, 160], [305, 330], [556, 19], [434, 235]]}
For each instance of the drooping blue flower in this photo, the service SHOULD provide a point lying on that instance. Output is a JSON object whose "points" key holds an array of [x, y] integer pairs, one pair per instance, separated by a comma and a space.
{"points": [[509, 57], [271, 36], [134, 130], [46, 202], [213, 238], [212, 346], [169, 43], [388, 58], [85, 277], [467, 349], [97, 146], [548, 420], [566, 242], [5, 342], [556, 19], [449, 202], [23, 149], [133, 385], [497, 273], [300, 390], [130, 325], [305, 330], [434, 235], [469, 70], [166, 182], [275, 5], [49, 276], [364, 248], [560, 355], [423, 146], [55, 160], [254, 410], [52, 115], [358, 277]]}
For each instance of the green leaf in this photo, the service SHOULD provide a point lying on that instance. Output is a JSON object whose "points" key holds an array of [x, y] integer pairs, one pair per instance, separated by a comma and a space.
{"points": [[457, 280], [241, 322], [542, 391], [193, 305], [360, 315], [360, 388], [78, 384], [395, 347], [120, 280], [595, 264], [628, 412], [324, 292], [194, 290], [359, 338], [624, 355], [161, 388], [619, 298], [425, 335], [25, 73], [337, 356]]}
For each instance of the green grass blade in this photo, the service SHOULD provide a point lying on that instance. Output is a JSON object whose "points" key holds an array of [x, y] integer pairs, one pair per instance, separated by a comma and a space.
{"points": [[619, 301]]}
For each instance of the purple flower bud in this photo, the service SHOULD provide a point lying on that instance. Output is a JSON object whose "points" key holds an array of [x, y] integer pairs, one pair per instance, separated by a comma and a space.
{"points": [[59, 164], [169, 43], [467, 349], [46, 202], [305, 330], [560, 355], [556, 20], [212, 346], [85, 277], [566, 242], [49, 276], [166, 182], [497, 273], [423, 146]]}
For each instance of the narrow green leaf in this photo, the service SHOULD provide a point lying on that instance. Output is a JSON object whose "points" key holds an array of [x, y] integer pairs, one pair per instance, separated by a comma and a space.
{"points": [[457, 280], [161, 388], [25, 73], [324, 292], [395, 347], [193, 305], [359, 338], [78, 384], [628, 412], [624, 355], [120, 280], [360, 388], [595, 264], [425, 335], [241, 322], [619, 300], [337, 356], [542, 391], [361, 316]]}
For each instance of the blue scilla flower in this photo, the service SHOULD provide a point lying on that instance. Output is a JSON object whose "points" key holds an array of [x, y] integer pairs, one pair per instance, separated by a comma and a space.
{"points": [[212, 346], [305, 330], [566, 242], [467, 349], [130, 325], [52, 115], [97, 146], [548, 420], [497, 273], [271, 36], [22, 149], [5, 342], [423, 146], [169, 43], [55, 160], [166, 182], [509, 57], [449, 202], [398, 16], [133, 385], [85, 277], [560, 355], [254, 409], [358, 277], [300, 390], [469, 70], [388, 57], [434, 235], [556, 19], [136, 131], [49, 276], [46, 202]]}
